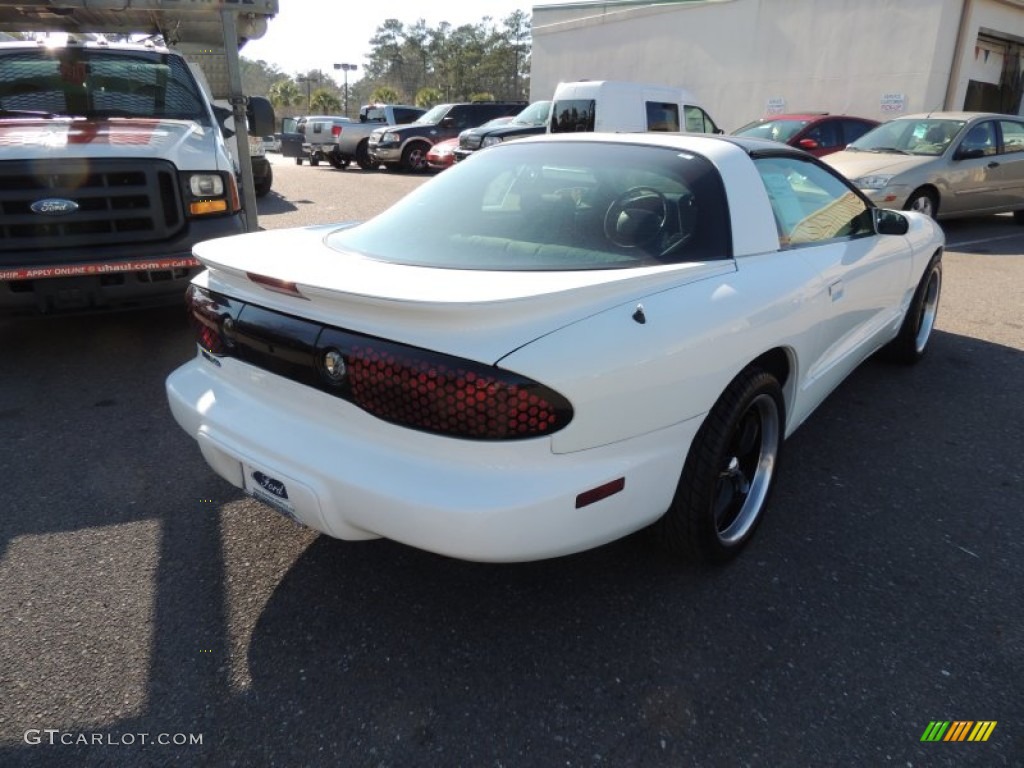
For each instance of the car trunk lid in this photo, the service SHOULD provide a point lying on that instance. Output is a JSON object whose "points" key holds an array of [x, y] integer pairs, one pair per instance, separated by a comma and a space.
{"points": [[477, 314]]}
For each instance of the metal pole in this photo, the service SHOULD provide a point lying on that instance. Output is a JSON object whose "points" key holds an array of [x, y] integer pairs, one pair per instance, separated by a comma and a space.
{"points": [[238, 102]]}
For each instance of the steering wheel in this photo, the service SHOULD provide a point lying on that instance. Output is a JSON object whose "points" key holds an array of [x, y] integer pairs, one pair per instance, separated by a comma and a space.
{"points": [[636, 217]]}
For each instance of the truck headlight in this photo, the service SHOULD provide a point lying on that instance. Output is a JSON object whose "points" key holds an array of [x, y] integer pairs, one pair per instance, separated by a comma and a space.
{"points": [[490, 141], [209, 193], [206, 185], [390, 138]]}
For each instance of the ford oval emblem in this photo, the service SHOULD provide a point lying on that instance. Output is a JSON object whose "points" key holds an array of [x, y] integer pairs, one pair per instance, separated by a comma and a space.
{"points": [[54, 206], [270, 484]]}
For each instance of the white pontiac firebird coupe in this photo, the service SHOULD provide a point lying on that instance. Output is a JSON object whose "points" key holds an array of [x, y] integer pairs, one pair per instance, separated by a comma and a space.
{"points": [[554, 344]]}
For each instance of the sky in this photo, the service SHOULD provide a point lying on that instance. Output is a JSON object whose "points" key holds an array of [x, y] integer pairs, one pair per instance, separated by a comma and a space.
{"points": [[317, 34]]}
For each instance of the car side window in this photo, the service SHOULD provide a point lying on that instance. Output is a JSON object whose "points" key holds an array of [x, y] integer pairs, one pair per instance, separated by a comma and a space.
{"points": [[662, 116], [810, 204], [1013, 136], [826, 134], [698, 121], [981, 137], [854, 129]]}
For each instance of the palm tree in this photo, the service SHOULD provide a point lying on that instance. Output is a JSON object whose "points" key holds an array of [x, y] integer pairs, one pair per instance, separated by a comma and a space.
{"points": [[428, 97], [384, 94], [323, 102], [285, 94]]}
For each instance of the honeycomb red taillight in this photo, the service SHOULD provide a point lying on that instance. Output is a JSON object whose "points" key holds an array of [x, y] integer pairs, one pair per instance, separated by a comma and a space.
{"points": [[449, 396], [409, 386]]}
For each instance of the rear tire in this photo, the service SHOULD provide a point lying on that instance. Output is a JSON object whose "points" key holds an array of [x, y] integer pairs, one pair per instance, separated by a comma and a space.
{"points": [[363, 157], [728, 475], [911, 343], [314, 161], [337, 162], [264, 183]]}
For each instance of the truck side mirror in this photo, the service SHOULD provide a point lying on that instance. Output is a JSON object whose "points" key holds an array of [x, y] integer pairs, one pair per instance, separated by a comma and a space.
{"points": [[260, 114], [223, 114]]}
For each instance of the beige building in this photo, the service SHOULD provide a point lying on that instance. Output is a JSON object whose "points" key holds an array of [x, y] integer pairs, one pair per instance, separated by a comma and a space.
{"points": [[747, 58]]}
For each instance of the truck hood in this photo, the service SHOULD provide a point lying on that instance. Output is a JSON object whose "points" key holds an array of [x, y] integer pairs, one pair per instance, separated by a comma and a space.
{"points": [[854, 165], [184, 142], [477, 314]]}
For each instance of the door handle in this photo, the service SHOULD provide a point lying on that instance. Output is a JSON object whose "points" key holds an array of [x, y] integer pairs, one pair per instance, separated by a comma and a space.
{"points": [[835, 289], [993, 164]]}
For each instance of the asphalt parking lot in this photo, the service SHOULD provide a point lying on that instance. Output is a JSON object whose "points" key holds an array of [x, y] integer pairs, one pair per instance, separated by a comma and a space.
{"points": [[143, 599]]}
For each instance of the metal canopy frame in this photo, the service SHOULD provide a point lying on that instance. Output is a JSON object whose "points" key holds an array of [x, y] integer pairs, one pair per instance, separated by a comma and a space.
{"points": [[211, 27]]}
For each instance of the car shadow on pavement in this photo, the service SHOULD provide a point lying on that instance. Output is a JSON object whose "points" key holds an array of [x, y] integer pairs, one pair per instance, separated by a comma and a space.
{"points": [[890, 557]]}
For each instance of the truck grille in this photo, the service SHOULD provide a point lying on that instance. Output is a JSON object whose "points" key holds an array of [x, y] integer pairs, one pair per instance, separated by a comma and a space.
{"points": [[118, 201]]}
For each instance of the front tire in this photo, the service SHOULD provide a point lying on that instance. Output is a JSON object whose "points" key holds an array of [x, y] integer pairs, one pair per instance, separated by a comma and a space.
{"points": [[727, 478], [414, 158], [923, 201], [911, 343]]}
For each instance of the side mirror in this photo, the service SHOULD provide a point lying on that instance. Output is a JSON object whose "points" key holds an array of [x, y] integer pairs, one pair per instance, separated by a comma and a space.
{"points": [[260, 114], [890, 222], [448, 122], [808, 144], [968, 153]]}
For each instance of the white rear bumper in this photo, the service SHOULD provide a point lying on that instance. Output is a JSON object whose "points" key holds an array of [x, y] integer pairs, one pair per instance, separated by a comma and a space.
{"points": [[352, 476]]}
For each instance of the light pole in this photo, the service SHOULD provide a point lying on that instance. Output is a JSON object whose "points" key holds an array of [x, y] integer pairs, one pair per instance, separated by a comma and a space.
{"points": [[346, 68], [307, 81]]}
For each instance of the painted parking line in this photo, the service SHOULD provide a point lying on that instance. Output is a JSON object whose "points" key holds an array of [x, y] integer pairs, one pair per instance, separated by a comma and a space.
{"points": [[967, 243]]}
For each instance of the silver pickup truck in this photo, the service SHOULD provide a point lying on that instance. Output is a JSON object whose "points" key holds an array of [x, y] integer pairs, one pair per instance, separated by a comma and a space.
{"points": [[352, 140]]}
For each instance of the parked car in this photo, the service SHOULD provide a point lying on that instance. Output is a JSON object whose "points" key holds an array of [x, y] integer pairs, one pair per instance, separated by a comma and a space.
{"points": [[563, 341], [442, 154], [816, 132], [529, 122], [320, 142], [354, 138], [406, 146], [272, 143], [623, 105], [943, 164]]}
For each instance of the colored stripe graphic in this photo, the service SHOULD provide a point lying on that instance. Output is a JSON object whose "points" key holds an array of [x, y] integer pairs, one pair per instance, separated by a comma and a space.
{"points": [[935, 731], [959, 730], [982, 730]]}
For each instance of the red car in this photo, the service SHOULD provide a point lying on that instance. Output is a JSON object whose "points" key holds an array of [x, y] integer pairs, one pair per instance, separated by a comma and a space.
{"points": [[441, 154], [816, 132]]}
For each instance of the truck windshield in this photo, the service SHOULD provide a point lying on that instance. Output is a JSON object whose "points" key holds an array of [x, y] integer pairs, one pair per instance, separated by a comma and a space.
{"points": [[98, 83]]}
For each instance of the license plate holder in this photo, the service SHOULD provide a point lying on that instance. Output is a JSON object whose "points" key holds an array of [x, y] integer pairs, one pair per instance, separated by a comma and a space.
{"points": [[269, 489]]}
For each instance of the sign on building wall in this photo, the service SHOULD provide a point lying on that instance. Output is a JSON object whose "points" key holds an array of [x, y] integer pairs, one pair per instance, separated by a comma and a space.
{"points": [[893, 103], [776, 106]]}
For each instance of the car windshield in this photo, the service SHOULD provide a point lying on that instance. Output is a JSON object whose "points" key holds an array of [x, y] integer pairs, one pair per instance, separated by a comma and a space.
{"points": [[555, 206], [910, 136], [433, 116], [85, 82], [776, 130], [535, 114]]}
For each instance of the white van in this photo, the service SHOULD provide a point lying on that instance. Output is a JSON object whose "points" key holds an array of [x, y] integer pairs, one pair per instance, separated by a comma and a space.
{"points": [[609, 105]]}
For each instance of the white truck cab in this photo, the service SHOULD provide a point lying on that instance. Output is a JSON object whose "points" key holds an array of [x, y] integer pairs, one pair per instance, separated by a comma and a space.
{"points": [[114, 164], [622, 106]]}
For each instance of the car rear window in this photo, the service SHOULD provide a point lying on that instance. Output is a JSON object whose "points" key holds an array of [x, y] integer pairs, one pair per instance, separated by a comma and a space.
{"points": [[555, 206]]}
